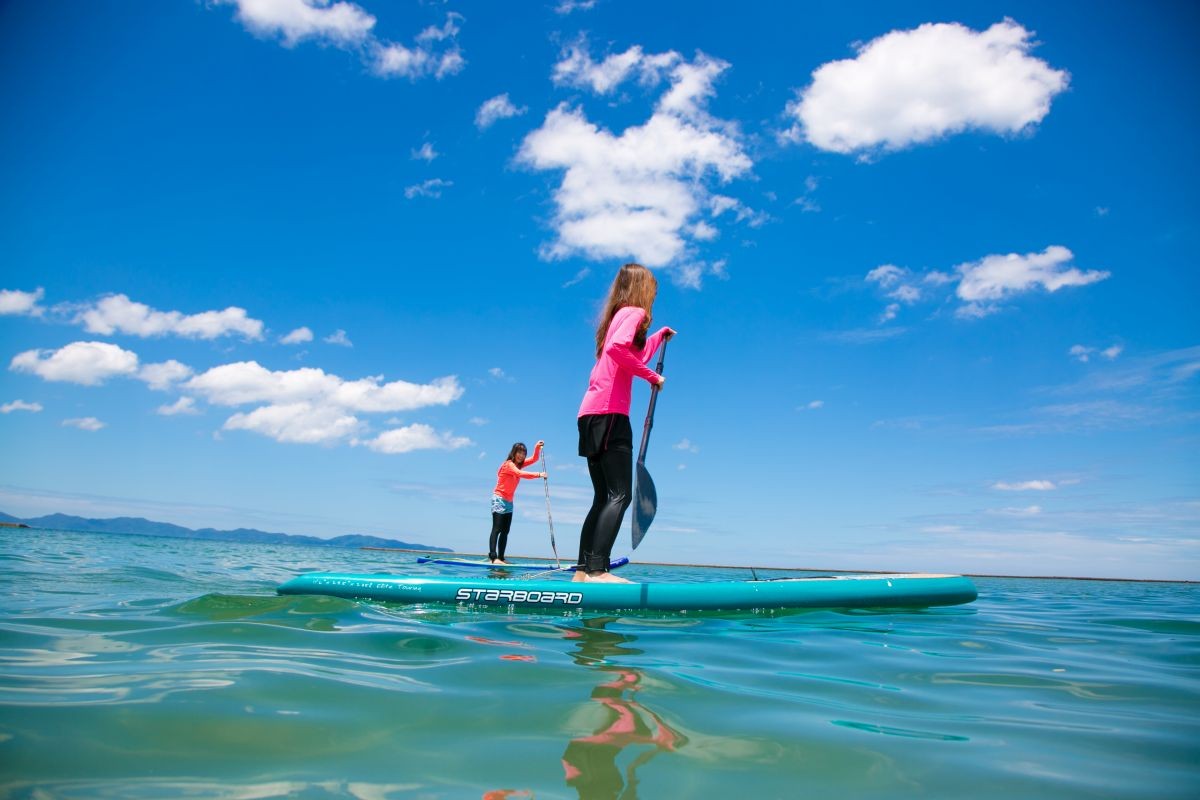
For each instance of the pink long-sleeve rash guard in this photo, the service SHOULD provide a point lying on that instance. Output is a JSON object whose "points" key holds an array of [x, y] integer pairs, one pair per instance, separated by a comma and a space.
{"points": [[610, 386]]}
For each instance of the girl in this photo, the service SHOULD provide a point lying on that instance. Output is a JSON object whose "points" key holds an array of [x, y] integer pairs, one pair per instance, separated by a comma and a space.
{"points": [[605, 434], [507, 477]]}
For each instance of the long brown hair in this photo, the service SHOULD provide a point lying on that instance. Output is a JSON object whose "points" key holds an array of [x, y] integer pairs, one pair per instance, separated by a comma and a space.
{"points": [[634, 286]]}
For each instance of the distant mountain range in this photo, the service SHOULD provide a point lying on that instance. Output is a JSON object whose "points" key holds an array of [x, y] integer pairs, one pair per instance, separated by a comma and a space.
{"points": [[145, 527]]}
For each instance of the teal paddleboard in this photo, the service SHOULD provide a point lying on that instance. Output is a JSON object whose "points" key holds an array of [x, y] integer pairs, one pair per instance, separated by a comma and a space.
{"points": [[541, 566], [842, 591]]}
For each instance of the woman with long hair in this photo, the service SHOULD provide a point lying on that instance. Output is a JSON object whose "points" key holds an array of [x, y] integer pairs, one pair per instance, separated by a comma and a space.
{"points": [[623, 348]]}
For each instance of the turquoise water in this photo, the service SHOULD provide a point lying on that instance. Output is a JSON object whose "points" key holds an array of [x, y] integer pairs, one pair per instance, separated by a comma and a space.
{"points": [[149, 667]]}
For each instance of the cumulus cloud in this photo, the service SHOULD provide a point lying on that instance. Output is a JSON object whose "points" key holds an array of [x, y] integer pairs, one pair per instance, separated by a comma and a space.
{"points": [[982, 284], [83, 423], [164, 375], [86, 363], [184, 405], [309, 405], [996, 277], [913, 86], [495, 109], [1083, 353], [350, 27], [118, 314], [339, 338], [414, 437], [430, 188], [425, 153], [20, 405], [1025, 486], [687, 445], [298, 336], [640, 193], [14, 301]]}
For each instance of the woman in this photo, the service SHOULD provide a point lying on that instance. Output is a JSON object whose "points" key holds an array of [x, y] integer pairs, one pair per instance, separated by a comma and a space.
{"points": [[605, 434], [507, 478]]}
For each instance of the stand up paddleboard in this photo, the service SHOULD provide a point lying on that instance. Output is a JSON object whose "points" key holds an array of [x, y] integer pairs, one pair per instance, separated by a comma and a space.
{"points": [[540, 566], [843, 591]]}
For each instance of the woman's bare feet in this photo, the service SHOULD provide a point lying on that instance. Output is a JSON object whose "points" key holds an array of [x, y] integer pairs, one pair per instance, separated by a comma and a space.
{"points": [[604, 577], [579, 577], [500, 562]]}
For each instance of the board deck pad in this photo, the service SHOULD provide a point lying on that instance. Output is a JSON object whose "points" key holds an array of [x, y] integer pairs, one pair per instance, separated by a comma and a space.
{"points": [[542, 566], [916, 590]]}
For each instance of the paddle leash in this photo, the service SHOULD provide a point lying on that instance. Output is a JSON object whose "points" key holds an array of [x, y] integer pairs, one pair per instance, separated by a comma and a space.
{"points": [[645, 503], [549, 516]]}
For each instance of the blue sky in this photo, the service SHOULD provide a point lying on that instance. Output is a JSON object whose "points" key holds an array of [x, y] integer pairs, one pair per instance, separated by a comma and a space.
{"points": [[313, 267]]}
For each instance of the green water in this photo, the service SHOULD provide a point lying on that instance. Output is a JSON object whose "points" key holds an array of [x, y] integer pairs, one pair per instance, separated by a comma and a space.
{"points": [[148, 667]]}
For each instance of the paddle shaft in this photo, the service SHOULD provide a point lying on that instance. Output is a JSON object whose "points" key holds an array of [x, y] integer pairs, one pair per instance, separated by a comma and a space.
{"points": [[549, 517], [654, 390]]}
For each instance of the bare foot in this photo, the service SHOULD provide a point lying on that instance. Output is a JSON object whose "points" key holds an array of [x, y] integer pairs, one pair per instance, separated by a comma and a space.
{"points": [[605, 577], [500, 561], [579, 577]]}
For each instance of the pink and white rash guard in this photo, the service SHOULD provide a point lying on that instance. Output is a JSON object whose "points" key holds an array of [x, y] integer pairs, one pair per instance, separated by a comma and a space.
{"points": [[611, 383]]}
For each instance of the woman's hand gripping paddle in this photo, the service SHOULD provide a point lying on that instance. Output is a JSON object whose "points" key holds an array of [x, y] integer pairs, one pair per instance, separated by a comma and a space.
{"points": [[645, 497]]}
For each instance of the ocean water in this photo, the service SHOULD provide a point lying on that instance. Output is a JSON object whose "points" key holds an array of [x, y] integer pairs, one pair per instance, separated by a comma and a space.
{"points": [[153, 668]]}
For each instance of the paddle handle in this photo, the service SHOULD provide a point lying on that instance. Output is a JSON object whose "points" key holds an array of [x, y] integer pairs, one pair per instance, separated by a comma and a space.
{"points": [[654, 390], [549, 516]]}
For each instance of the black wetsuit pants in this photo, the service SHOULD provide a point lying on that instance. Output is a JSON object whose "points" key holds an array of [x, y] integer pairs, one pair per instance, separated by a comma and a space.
{"points": [[501, 523], [607, 442]]}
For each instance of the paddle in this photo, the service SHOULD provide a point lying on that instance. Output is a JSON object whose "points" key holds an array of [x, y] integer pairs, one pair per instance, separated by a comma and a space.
{"points": [[645, 497], [546, 482]]}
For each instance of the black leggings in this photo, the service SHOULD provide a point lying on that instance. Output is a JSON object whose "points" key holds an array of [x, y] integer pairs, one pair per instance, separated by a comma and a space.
{"points": [[612, 482], [501, 523]]}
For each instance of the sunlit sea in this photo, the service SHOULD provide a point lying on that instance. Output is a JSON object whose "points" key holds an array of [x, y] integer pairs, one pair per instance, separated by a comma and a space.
{"points": [[144, 667]]}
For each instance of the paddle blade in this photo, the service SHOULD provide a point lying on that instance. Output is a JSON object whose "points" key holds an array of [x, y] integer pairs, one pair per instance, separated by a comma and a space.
{"points": [[645, 504]]}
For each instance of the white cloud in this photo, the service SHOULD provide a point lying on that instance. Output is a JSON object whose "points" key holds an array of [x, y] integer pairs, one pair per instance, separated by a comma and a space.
{"points": [[430, 188], [20, 405], [308, 405], [812, 405], [495, 109], [579, 276], [298, 336], [340, 338], [117, 313], [1084, 353], [350, 27], [414, 437], [913, 86], [303, 423], [83, 423], [184, 405], [341, 24], [87, 363], [14, 301], [578, 69], [426, 153], [996, 277], [637, 194], [567, 6], [248, 382], [164, 375], [1025, 511], [687, 446], [478, 421], [1025, 486]]}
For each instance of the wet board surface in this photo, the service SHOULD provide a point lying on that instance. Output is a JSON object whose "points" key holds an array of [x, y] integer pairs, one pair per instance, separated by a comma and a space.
{"points": [[843, 591]]}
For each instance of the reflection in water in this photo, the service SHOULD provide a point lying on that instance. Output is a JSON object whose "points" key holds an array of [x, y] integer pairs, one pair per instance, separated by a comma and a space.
{"points": [[590, 762]]}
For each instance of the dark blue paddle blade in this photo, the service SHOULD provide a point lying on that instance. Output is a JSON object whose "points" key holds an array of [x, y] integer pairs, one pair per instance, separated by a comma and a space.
{"points": [[645, 504]]}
